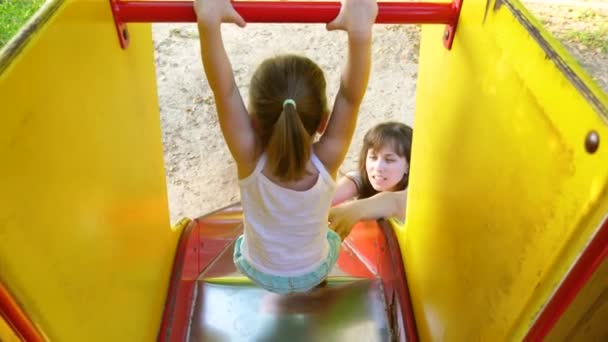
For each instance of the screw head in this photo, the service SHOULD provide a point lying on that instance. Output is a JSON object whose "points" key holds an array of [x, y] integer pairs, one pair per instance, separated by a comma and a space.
{"points": [[125, 33], [592, 142], [446, 34]]}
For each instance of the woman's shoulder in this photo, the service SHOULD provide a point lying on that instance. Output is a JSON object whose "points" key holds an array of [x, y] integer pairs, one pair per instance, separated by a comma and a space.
{"points": [[355, 177]]}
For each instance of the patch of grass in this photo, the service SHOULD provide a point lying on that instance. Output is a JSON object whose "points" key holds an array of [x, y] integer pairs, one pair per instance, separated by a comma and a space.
{"points": [[592, 37], [586, 14], [13, 14], [586, 28]]}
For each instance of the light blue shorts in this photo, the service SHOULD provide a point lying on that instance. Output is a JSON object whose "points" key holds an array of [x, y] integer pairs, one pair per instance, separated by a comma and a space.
{"points": [[281, 284]]}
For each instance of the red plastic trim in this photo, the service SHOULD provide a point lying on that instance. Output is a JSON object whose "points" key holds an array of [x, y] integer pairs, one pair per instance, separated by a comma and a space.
{"points": [[583, 269], [174, 325], [397, 272], [195, 251], [121, 26], [16, 318], [450, 29], [371, 250]]}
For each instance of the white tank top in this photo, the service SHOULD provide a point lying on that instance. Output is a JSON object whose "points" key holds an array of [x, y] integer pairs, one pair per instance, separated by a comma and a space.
{"points": [[285, 230]]}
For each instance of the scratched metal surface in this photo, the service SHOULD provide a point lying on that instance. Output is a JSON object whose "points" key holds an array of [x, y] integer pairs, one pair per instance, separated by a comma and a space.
{"points": [[341, 311]]}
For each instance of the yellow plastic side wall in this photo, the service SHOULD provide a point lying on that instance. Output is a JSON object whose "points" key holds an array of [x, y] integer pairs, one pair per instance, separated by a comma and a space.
{"points": [[503, 194], [86, 246]]}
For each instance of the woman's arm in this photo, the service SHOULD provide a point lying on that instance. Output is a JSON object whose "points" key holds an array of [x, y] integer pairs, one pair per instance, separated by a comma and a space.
{"points": [[343, 217], [346, 189]]}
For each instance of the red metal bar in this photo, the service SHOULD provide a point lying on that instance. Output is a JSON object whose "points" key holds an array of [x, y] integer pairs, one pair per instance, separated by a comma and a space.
{"points": [[288, 12], [595, 253]]}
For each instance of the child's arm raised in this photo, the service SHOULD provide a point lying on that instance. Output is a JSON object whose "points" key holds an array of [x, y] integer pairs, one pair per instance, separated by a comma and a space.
{"points": [[357, 18], [234, 120]]}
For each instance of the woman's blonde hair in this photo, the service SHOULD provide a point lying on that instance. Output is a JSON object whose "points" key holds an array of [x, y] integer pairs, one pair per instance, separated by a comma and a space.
{"points": [[287, 130]]}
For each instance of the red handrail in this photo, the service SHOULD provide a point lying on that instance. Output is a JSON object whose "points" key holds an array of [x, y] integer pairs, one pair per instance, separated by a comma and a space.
{"points": [[287, 12]]}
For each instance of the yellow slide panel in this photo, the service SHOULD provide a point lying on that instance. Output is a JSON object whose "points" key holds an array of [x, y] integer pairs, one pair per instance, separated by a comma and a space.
{"points": [[86, 245], [504, 193]]}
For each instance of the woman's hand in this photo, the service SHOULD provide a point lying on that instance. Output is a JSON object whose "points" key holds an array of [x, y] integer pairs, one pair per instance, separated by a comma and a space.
{"points": [[342, 218]]}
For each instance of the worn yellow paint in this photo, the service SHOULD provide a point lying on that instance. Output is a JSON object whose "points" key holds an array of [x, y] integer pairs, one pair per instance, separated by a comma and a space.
{"points": [[503, 196], [87, 246], [399, 229], [181, 224], [228, 280]]}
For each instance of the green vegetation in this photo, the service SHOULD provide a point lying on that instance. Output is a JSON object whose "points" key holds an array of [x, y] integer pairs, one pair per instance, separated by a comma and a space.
{"points": [[13, 14], [593, 37]]}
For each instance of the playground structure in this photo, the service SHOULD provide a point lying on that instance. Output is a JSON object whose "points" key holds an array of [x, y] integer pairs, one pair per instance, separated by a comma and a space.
{"points": [[506, 234]]}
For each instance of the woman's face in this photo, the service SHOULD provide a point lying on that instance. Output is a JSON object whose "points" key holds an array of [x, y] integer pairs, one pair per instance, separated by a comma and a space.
{"points": [[385, 168]]}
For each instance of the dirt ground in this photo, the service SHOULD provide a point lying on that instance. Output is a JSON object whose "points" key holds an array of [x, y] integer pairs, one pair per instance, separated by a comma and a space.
{"points": [[582, 27], [201, 176]]}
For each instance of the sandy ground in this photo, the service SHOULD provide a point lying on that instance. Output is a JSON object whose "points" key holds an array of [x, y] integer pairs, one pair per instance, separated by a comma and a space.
{"points": [[582, 27], [201, 176]]}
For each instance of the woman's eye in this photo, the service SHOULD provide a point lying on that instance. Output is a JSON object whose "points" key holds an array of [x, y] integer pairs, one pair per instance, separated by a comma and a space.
{"points": [[390, 160], [372, 157]]}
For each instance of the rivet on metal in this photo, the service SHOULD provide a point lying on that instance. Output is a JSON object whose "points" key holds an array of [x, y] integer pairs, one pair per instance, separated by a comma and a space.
{"points": [[592, 142]]}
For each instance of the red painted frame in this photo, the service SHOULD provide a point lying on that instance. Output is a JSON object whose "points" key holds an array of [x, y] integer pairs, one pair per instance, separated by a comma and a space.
{"points": [[450, 30], [376, 243], [16, 318], [121, 25], [181, 287], [286, 12], [195, 251], [394, 277], [595, 253]]}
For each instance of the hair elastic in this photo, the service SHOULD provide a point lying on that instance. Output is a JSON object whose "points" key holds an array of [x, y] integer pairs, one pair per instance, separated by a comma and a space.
{"points": [[290, 101]]}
